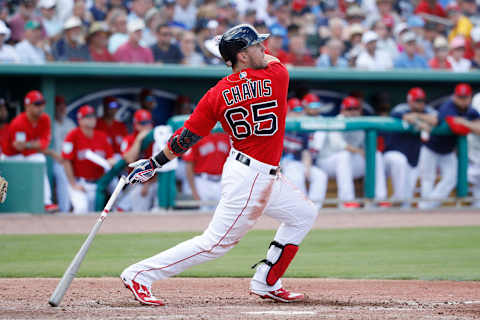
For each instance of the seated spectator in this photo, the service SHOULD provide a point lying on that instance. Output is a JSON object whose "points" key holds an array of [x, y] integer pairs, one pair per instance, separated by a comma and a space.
{"points": [[99, 10], [28, 49], [462, 26], [409, 58], [354, 36], [117, 24], [23, 14], [50, 20], [371, 58], [355, 15], [386, 12], [3, 123], [298, 54], [142, 196], [332, 57], [430, 7], [79, 11], [72, 47], [8, 54], [385, 42], [456, 59], [82, 170], [153, 18], [98, 41], [275, 44], [132, 51], [402, 150], [164, 50], [138, 9], [185, 13], [29, 135], [115, 130], [187, 46], [417, 26], [440, 61]]}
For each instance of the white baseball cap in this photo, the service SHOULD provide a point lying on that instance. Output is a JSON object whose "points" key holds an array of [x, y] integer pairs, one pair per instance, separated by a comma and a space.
{"points": [[47, 4], [135, 25], [369, 36], [409, 36], [399, 28], [72, 22]]}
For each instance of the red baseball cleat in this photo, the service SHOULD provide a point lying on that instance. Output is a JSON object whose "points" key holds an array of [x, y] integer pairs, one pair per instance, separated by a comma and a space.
{"points": [[51, 208], [385, 204], [142, 293], [281, 295], [350, 205]]}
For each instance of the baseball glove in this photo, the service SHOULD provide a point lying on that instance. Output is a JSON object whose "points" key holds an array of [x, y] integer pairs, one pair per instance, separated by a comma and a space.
{"points": [[3, 189]]}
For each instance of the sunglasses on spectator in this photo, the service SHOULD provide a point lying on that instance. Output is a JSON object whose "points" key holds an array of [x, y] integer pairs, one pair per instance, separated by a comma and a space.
{"points": [[39, 103]]}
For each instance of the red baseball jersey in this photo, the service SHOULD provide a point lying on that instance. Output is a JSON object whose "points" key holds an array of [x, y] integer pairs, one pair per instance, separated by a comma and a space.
{"points": [[209, 154], [3, 135], [21, 129], [128, 142], [115, 132], [74, 149], [251, 106]]}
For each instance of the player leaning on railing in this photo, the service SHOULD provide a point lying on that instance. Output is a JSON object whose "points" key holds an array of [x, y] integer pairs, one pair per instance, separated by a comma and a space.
{"points": [[251, 106]]}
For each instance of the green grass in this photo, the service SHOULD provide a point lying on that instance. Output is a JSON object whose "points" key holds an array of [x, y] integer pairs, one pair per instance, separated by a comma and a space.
{"points": [[404, 253]]}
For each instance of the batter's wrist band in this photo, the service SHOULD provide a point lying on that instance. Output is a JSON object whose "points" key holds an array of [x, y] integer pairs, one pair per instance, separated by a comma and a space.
{"points": [[160, 159]]}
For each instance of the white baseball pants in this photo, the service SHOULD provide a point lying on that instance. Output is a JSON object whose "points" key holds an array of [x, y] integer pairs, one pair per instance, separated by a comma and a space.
{"points": [[404, 176], [61, 187], [37, 157], [474, 179], [428, 164], [346, 166], [247, 193], [295, 171], [83, 201]]}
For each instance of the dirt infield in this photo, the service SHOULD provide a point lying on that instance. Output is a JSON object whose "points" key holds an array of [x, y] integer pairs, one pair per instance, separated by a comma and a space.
{"points": [[222, 298]]}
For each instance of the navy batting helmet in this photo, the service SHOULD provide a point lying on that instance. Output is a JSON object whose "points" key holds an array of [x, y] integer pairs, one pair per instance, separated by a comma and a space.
{"points": [[238, 38]]}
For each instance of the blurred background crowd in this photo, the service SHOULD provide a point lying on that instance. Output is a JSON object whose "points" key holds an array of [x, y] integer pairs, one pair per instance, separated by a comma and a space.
{"points": [[362, 34]]}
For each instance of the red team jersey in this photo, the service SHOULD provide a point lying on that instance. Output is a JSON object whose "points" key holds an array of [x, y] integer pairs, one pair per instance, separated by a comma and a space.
{"points": [[21, 129], [251, 105], [115, 132], [128, 142], [3, 135], [209, 154], [75, 146]]}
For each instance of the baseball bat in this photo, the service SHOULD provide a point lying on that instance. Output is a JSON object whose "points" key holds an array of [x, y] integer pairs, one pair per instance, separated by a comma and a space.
{"points": [[71, 271]]}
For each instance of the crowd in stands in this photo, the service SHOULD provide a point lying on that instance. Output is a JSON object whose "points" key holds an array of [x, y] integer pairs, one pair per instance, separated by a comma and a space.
{"points": [[361, 34]]}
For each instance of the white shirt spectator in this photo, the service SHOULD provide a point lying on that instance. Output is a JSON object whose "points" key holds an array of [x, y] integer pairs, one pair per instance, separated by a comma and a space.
{"points": [[8, 54], [28, 53], [64, 9], [187, 15], [388, 45], [380, 61], [462, 65], [52, 27], [116, 40]]}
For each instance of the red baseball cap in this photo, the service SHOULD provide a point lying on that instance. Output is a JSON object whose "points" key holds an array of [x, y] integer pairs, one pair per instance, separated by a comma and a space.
{"points": [[416, 94], [85, 111], [34, 97], [350, 103], [294, 103], [463, 90], [311, 100], [142, 116]]}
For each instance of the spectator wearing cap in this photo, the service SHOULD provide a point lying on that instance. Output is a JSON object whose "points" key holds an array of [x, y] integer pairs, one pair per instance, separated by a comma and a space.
{"points": [[342, 155], [185, 13], [153, 18], [275, 44], [456, 56], [140, 197], [17, 22], [97, 41], [85, 151], [138, 9], [72, 46], [354, 15], [187, 46], [402, 150], [114, 129], [385, 42], [439, 151], [430, 7], [99, 10], [8, 54], [409, 58], [297, 161], [371, 58], [132, 51], [332, 58], [417, 26], [439, 61], [62, 126], [29, 135], [385, 13], [354, 36], [28, 49], [165, 51], [117, 23], [298, 55], [49, 19]]}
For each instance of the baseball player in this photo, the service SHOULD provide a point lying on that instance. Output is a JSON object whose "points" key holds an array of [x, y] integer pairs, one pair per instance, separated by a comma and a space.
{"points": [[29, 136], [403, 149], [342, 154], [142, 197], [115, 130], [82, 169], [474, 157], [251, 106], [439, 151], [204, 164], [297, 160]]}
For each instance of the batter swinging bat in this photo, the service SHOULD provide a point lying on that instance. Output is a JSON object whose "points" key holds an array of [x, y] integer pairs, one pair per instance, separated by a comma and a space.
{"points": [[70, 273]]}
